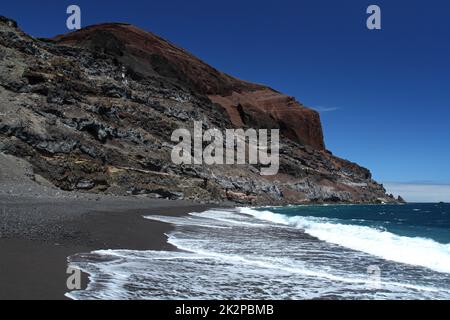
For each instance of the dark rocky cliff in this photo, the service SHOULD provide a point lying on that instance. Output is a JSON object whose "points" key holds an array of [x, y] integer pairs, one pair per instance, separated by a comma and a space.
{"points": [[94, 110], [145, 54]]}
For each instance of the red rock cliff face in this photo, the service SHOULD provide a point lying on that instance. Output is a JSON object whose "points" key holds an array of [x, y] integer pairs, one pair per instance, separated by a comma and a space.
{"points": [[266, 108], [247, 104], [101, 123]]}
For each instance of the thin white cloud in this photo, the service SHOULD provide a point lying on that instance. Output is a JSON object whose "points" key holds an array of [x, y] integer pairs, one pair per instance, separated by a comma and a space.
{"points": [[414, 192], [325, 109]]}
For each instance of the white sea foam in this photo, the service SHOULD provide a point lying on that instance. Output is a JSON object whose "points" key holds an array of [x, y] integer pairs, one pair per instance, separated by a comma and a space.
{"points": [[250, 254], [414, 251], [288, 266]]}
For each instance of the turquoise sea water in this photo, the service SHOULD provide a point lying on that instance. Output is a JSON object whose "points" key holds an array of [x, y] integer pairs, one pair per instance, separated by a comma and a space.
{"points": [[427, 220], [295, 252]]}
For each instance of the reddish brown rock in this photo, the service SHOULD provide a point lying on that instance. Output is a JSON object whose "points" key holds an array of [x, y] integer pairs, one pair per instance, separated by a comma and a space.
{"points": [[266, 108], [96, 114], [247, 104]]}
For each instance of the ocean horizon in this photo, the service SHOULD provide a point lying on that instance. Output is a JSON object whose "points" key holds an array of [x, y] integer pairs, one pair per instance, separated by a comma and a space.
{"points": [[224, 158]]}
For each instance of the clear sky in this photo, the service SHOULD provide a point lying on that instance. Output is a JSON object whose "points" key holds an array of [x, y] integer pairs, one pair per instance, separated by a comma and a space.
{"points": [[384, 95]]}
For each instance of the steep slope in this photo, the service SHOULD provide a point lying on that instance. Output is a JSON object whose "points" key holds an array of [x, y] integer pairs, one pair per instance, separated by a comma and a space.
{"points": [[250, 104], [94, 111]]}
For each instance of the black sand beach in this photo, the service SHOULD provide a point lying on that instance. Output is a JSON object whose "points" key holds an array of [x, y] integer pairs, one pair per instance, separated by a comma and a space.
{"points": [[34, 259], [41, 226]]}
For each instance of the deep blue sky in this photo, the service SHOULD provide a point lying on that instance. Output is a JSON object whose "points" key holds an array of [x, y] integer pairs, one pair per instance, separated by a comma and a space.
{"points": [[385, 94]]}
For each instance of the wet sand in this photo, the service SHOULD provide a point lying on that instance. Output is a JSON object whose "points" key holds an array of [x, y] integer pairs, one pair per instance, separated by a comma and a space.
{"points": [[37, 236]]}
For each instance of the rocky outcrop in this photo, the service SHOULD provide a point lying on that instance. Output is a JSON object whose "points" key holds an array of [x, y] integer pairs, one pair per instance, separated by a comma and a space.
{"points": [[145, 54], [266, 108], [94, 111]]}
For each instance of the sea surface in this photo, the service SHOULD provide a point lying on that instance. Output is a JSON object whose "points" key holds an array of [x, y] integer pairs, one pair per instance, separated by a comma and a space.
{"points": [[295, 252]]}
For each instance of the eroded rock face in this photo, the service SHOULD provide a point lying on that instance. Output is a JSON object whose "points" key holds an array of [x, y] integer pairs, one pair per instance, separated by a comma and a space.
{"points": [[95, 110], [265, 108], [145, 54]]}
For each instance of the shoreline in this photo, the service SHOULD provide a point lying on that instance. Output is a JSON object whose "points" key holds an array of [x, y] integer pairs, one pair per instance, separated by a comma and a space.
{"points": [[38, 235]]}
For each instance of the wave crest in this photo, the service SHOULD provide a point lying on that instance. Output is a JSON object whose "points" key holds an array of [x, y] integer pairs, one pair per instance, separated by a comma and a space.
{"points": [[389, 246]]}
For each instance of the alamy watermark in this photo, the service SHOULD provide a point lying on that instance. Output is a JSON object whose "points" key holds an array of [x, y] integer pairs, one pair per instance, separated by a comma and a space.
{"points": [[74, 280], [374, 273], [192, 152], [73, 22], [374, 20], [210, 147]]}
